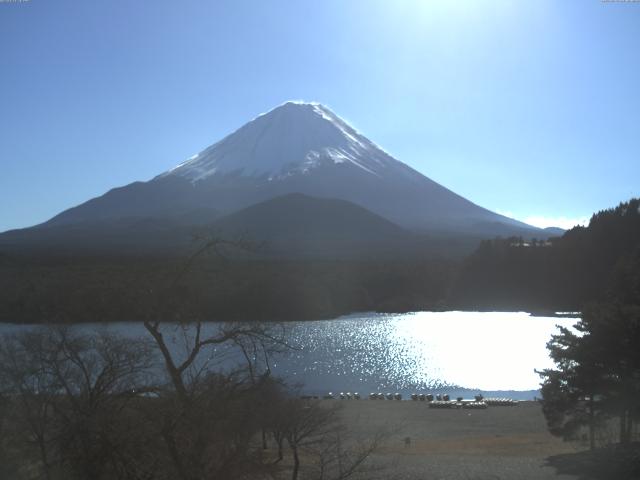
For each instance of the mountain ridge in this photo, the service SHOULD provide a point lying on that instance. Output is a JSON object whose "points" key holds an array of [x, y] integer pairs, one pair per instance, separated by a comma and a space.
{"points": [[303, 148]]}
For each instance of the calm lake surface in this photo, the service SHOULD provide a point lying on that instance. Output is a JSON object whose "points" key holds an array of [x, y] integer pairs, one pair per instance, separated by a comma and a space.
{"points": [[450, 352]]}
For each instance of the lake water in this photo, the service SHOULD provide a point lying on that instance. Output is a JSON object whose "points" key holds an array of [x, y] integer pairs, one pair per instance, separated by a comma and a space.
{"points": [[450, 352]]}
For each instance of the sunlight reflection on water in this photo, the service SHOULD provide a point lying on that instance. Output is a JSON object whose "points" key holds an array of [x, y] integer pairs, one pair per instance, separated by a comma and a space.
{"points": [[487, 351], [424, 350]]}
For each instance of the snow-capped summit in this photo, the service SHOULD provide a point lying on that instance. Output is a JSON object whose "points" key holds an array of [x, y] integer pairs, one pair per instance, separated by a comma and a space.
{"points": [[296, 148], [293, 138]]}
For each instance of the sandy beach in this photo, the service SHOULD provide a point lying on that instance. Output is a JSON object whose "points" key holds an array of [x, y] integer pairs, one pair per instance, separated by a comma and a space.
{"points": [[496, 443]]}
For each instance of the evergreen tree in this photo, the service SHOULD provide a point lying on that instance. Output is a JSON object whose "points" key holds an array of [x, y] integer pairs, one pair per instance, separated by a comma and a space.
{"points": [[597, 374], [572, 392]]}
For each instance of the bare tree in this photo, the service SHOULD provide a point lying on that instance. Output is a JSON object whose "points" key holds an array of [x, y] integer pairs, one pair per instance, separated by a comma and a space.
{"points": [[315, 431], [340, 456], [30, 392], [306, 424], [255, 339], [208, 420], [70, 392]]}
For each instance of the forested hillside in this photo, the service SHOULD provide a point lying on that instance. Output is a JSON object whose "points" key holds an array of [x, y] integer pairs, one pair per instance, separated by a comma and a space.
{"points": [[67, 290], [561, 274]]}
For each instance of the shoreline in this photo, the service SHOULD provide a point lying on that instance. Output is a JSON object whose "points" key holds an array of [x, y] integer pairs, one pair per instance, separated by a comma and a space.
{"points": [[465, 393], [337, 317]]}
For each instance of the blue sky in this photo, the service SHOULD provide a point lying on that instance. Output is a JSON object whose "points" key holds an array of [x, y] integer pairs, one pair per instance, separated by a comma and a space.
{"points": [[529, 108]]}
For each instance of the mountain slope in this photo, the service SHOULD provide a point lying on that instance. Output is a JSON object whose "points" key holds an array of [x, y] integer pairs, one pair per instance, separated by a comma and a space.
{"points": [[128, 235], [297, 147]]}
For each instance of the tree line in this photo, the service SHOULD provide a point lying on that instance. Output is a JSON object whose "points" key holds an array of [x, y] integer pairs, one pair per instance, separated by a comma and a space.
{"points": [[107, 289]]}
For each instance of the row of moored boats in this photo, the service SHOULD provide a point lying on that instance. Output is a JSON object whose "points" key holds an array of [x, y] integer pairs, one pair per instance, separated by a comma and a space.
{"points": [[434, 401]]}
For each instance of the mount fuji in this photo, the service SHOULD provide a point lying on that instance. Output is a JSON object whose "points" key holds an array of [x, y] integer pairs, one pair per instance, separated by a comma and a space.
{"points": [[300, 148]]}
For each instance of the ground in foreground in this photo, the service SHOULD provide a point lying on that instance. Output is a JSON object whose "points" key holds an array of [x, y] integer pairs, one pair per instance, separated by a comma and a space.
{"points": [[496, 443]]}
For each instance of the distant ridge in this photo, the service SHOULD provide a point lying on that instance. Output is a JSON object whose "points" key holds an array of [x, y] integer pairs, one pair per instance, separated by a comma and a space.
{"points": [[297, 224], [555, 231]]}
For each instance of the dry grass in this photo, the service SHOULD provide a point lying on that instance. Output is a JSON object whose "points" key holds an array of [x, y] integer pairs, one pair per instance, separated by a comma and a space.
{"points": [[497, 443]]}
